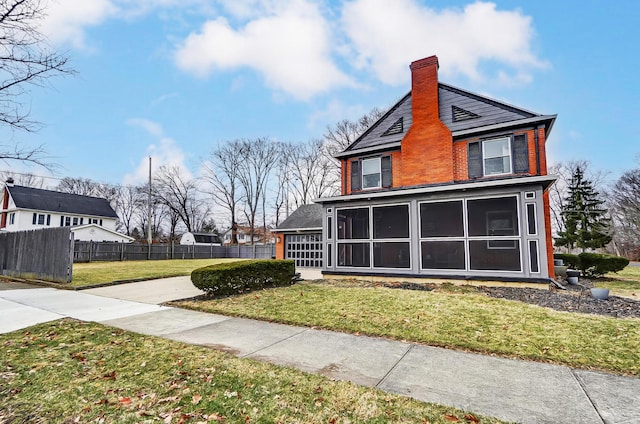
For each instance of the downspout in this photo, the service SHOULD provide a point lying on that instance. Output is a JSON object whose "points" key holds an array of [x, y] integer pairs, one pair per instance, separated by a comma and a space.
{"points": [[537, 142]]}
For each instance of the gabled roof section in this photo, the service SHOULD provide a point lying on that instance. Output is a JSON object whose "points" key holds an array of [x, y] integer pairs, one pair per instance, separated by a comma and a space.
{"points": [[55, 201], [305, 217], [460, 110], [390, 128], [463, 110]]}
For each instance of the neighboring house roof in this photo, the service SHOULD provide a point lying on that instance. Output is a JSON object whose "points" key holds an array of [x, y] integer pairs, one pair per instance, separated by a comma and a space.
{"points": [[55, 201], [461, 111], [206, 238], [245, 229], [95, 228], [305, 217]]}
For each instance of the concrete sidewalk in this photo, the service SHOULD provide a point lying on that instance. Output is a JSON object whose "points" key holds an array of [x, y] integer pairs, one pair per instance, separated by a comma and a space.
{"points": [[513, 390]]}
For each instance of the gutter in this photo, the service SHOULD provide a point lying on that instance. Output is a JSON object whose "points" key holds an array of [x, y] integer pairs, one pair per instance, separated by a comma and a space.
{"points": [[494, 127], [387, 146], [296, 230], [545, 180], [537, 141]]}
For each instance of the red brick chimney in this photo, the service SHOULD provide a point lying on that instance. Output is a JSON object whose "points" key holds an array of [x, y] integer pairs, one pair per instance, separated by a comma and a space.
{"points": [[427, 149]]}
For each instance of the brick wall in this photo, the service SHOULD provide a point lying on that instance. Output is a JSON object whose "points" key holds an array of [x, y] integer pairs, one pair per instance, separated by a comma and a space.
{"points": [[279, 245]]}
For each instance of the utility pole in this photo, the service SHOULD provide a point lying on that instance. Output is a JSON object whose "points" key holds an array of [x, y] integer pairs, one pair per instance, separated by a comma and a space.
{"points": [[149, 236]]}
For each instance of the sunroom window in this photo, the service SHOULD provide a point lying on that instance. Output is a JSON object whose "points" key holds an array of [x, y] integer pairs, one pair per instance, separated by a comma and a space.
{"points": [[386, 245]]}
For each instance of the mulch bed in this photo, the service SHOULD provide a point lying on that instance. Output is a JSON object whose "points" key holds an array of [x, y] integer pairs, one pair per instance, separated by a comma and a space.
{"points": [[577, 298]]}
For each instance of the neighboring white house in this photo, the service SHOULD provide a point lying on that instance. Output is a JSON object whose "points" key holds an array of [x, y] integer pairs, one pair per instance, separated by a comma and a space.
{"points": [[201, 239], [260, 236], [27, 208]]}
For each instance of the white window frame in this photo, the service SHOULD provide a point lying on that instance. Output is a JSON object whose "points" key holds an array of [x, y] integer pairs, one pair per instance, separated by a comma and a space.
{"points": [[537, 255], [379, 172], [485, 157], [12, 218]]}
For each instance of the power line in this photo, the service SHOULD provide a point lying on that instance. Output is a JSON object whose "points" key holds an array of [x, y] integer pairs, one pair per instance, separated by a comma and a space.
{"points": [[45, 177]]}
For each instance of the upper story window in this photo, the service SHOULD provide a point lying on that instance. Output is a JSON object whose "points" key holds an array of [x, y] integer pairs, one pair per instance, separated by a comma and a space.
{"points": [[371, 173], [498, 156], [12, 218]]}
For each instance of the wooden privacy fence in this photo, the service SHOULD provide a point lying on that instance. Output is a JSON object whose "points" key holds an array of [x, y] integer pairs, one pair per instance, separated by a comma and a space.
{"points": [[45, 254], [87, 251]]}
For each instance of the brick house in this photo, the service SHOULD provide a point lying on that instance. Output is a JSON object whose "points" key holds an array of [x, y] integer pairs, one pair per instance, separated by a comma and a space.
{"points": [[447, 183]]}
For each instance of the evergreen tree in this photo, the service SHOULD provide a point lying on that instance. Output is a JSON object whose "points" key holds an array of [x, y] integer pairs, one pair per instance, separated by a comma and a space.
{"points": [[586, 223]]}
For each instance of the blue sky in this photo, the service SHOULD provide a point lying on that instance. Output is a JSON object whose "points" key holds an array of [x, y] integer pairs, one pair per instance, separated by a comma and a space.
{"points": [[173, 78]]}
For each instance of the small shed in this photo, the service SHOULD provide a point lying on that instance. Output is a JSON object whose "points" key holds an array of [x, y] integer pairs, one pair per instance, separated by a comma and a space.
{"points": [[201, 239], [299, 237]]}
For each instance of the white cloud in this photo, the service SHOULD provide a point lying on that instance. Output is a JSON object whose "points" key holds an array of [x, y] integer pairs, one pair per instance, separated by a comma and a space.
{"points": [[164, 152], [334, 111], [66, 20], [290, 48], [387, 36], [149, 126]]}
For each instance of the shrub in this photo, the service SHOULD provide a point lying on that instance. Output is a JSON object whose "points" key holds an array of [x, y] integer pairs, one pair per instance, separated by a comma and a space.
{"points": [[593, 264], [239, 277], [596, 264], [571, 261]]}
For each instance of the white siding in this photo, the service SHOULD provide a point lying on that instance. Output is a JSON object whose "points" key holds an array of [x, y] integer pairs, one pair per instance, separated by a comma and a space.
{"points": [[24, 220]]}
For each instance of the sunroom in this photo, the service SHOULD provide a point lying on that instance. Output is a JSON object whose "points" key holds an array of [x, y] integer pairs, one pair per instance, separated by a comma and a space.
{"points": [[488, 230]]}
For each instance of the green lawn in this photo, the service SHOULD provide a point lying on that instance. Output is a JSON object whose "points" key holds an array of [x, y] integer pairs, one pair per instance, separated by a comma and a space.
{"points": [[86, 274], [624, 283], [458, 318], [67, 371]]}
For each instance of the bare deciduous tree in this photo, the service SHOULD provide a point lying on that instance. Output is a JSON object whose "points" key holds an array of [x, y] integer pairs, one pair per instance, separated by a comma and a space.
{"points": [[181, 196], [132, 202], [26, 60], [258, 158], [311, 173], [25, 180], [221, 172], [625, 209], [339, 136]]}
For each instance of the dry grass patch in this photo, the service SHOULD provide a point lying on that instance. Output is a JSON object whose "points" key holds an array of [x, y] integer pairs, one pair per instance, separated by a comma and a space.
{"points": [[451, 317], [86, 274], [69, 371], [623, 283]]}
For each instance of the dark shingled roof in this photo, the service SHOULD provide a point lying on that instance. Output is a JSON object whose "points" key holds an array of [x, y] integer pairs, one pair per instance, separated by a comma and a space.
{"points": [[55, 201], [206, 238], [306, 216], [471, 110]]}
